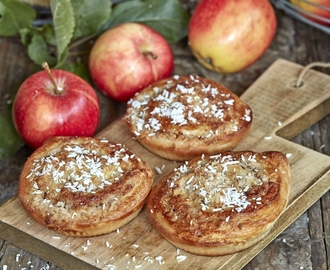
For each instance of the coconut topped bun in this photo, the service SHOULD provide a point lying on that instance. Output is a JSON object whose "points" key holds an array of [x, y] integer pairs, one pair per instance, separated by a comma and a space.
{"points": [[221, 204], [182, 117], [83, 186]]}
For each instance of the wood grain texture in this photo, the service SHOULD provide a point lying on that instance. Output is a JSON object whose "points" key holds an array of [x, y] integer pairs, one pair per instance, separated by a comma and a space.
{"points": [[310, 180], [294, 41]]}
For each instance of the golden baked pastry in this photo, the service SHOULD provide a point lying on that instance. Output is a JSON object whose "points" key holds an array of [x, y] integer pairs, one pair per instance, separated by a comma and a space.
{"points": [[182, 117], [81, 186], [221, 204]]}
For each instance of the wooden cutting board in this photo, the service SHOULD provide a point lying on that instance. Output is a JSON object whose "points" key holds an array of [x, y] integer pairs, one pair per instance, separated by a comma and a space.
{"points": [[281, 111]]}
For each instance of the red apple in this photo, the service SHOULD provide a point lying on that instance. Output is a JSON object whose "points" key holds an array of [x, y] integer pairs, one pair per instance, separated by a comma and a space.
{"points": [[316, 7], [227, 36], [59, 105], [127, 58]]}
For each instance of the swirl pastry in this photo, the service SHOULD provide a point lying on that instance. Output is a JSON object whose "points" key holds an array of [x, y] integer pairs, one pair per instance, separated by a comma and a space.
{"points": [[81, 186], [183, 117], [221, 204]]}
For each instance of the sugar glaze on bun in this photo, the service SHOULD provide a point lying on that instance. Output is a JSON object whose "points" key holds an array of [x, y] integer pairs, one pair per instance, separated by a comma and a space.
{"points": [[182, 117], [81, 186], [221, 204]]}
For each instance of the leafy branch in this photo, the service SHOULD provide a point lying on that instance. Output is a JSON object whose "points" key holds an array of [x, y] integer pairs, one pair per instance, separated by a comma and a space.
{"points": [[73, 23]]}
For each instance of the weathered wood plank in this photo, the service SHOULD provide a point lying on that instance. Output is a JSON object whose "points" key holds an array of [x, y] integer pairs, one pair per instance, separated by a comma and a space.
{"points": [[315, 224], [310, 174], [325, 204], [15, 258], [294, 41]]}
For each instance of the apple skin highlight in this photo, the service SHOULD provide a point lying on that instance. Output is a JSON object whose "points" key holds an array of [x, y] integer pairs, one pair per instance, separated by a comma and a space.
{"points": [[127, 58], [39, 113], [227, 36]]}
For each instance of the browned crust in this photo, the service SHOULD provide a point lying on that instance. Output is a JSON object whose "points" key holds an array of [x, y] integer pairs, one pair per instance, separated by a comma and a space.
{"points": [[175, 203], [182, 117], [100, 186]]}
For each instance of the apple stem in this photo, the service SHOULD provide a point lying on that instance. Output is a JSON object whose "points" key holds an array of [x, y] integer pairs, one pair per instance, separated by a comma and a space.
{"points": [[46, 67], [150, 53]]}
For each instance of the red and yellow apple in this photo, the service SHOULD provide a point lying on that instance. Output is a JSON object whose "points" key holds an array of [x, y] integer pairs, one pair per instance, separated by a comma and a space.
{"points": [[62, 104], [127, 58], [316, 7], [227, 36]]}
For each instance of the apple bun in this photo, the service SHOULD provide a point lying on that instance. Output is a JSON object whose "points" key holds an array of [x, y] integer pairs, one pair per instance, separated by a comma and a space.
{"points": [[182, 117], [82, 186], [221, 204]]}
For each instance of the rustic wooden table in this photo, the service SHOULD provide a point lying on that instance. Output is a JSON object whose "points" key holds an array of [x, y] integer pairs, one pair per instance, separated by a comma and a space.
{"points": [[303, 245]]}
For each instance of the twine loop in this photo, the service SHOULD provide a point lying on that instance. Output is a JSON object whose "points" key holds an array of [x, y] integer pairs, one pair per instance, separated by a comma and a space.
{"points": [[309, 66]]}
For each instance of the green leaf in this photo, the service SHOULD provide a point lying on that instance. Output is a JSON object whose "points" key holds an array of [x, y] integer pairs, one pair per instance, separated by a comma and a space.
{"points": [[49, 34], [10, 141], [63, 20], [166, 17], [62, 58], [14, 16], [90, 16], [25, 34], [38, 51], [77, 68]]}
